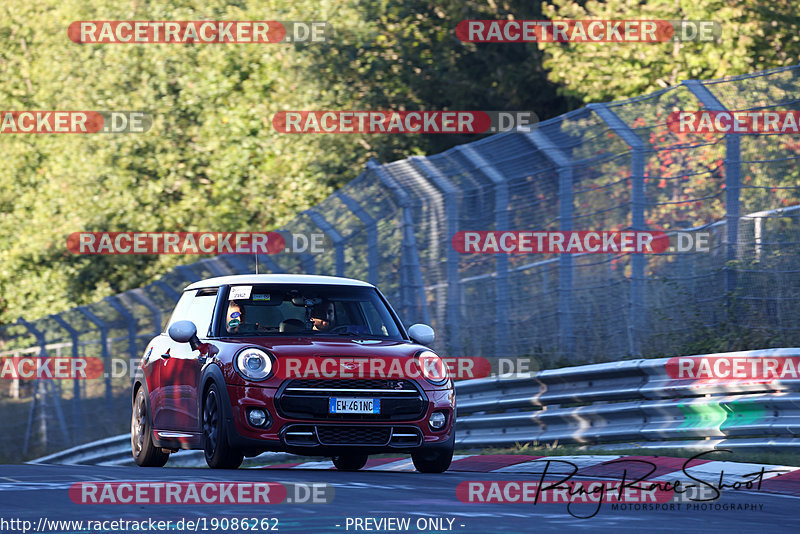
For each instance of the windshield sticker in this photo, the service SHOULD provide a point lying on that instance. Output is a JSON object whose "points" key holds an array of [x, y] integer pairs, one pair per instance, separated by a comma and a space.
{"points": [[240, 293], [235, 314], [233, 323], [261, 297]]}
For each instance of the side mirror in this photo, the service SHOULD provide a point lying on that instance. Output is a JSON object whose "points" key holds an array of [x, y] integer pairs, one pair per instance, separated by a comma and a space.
{"points": [[422, 334], [183, 332]]}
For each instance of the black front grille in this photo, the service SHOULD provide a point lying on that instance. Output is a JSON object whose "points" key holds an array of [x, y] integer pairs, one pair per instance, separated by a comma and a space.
{"points": [[308, 399], [353, 435]]}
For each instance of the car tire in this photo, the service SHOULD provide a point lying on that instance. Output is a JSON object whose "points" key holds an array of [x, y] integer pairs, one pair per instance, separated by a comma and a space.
{"points": [[436, 458], [350, 462], [145, 453], [218, 452]]}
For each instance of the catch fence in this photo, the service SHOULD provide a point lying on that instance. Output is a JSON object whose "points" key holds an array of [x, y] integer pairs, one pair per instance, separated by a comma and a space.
{"points": [[607, 166]]}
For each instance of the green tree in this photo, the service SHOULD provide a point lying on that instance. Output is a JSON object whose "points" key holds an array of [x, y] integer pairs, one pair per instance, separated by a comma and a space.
{"points": [[754, 35], [212, 160]]}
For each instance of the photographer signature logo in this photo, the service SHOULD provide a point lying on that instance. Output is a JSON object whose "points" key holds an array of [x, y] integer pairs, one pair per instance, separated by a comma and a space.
{"points": [[624, 488]]}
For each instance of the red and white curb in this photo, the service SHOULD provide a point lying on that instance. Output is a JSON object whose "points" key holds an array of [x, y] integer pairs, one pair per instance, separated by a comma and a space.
{"points": [[776, 479]]}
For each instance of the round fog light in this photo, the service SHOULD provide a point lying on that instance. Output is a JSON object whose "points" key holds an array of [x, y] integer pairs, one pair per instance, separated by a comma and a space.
{"points": [[257, 417], [437, 420]]}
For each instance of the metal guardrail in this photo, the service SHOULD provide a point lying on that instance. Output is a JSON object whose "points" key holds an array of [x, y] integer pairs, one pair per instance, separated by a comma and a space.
{"points": [[609, 405], [630, 402]]}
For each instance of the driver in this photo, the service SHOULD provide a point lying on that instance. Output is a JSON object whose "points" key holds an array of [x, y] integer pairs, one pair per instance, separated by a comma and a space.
{"points": [[323, 316], [235, 317]]}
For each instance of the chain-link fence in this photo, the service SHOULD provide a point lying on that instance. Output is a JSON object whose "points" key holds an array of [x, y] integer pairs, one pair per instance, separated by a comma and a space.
{"points": [[603, 167]]}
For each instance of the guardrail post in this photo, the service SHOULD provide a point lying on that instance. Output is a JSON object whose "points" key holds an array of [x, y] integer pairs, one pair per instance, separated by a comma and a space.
{"points": [[450, 200], [336, 237], [103, 351], [637, 309], [412, 287], [372, 235], [502, 293], [565, 264], [77, 412], [732, 181]]}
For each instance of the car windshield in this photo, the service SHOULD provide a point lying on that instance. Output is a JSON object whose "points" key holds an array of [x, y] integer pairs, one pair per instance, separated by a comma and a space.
{"points": [[315, 310]]}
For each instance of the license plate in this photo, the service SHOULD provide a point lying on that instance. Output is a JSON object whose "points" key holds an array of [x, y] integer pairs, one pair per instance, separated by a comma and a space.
{"points": [[353, 405]]}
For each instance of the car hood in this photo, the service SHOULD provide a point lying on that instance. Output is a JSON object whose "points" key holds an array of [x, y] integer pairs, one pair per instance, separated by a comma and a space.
{"points": [[329, 347]]}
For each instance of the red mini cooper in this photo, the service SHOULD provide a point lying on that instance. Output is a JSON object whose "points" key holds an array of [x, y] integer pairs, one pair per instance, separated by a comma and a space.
{"points": [[312, 365]]}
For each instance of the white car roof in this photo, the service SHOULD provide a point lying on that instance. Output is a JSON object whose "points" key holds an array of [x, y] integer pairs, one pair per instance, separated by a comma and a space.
{"points": [[288, 279]]}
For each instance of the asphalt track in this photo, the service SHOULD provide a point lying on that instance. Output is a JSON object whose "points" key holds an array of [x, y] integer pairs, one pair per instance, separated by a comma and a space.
{"points": [[29, 492]]}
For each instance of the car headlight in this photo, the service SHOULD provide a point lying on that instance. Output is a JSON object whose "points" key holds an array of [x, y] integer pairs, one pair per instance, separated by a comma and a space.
{"points": [[433, 367], [253, 364]]}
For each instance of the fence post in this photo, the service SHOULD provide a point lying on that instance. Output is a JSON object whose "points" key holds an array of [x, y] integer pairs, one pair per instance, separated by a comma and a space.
{"points": [[502, 293], [41, 392], [188, 272], [372, 235], [638, 261], [77, 414], [412, 286], [271, 264], [732, 182], [308, 263], [115, 303], [565, 264], [168, 289], [139, 295], [103, 351], [450, 194], [242, 267], [336, 237], [216, 266]]}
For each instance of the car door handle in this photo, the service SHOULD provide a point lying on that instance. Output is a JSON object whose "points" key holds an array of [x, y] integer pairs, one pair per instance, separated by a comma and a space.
{"points": [[165, 356]]}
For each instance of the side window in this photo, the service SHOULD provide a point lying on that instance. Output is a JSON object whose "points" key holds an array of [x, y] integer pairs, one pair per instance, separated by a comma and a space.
{"points": [[201, 311], [181, 308], [197, 307]]}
